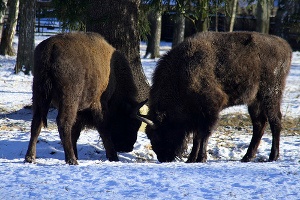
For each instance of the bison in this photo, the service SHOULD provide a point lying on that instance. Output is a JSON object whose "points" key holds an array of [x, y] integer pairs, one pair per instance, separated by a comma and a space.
{"points": [[91, 85], [207, 73]]}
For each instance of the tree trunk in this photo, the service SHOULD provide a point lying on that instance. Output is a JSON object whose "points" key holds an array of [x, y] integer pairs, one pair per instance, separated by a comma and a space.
{"points": [[155, 34], [203, 22], [280, 17], [3, 6], [286, 9], [26, 36], [233, 14], [263, 16], [117, 22], [8, 33], [178, 33]]}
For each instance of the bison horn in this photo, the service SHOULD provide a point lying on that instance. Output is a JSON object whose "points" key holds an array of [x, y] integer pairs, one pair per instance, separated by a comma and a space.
{"points": [[143, 118], [146, 120]]}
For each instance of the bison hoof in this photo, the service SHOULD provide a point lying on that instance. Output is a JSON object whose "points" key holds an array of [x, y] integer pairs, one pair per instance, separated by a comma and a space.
{"points": [[72, 162], [198, 160], [246, 159], [113, 159], [191, 160], [201, 160], [273, 157], [29, 159]]}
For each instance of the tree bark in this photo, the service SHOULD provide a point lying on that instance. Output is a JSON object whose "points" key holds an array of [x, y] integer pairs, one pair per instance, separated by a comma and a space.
{"points": [[233, 14], [286, 9], [178, 33], [3, 6], [155, 34], [263, 16], [8, 33], [117, 22], [203, 22], [26, 36]]}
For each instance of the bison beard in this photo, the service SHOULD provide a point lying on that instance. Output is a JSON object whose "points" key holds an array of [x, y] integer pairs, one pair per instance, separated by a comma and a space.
{"points": [[207, 73], [91, 85]]}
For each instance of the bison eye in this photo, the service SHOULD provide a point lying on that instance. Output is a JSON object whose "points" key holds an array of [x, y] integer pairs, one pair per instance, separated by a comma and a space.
{"points": [[161, 115]]}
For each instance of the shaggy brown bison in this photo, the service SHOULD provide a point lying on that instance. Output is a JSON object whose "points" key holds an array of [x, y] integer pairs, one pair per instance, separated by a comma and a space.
{"points": [[208, 72], [91, 85]]}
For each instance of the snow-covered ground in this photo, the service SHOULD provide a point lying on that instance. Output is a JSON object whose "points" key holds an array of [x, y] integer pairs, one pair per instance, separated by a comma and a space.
{"points": [[139, 175]]}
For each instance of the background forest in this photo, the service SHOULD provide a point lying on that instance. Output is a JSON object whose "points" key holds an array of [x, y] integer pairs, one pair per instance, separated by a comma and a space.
{"points": [[154, 20]]}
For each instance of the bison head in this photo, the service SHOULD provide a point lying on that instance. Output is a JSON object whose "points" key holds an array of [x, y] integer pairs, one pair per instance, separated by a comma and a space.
{"points": [[123, 127], [167, 141], [124, 134], [167, 138]]}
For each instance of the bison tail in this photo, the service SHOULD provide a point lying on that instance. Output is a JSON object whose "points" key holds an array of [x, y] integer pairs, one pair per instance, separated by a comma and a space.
{"points": [[42, 96]]}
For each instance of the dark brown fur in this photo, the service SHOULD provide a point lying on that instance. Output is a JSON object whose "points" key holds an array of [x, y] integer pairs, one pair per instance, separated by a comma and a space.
{"points": [[90, 83], [207, 73]]}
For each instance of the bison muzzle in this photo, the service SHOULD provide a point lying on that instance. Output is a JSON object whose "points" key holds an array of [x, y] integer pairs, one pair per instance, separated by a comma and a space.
{"points": [[91, 85], [207, 73]]}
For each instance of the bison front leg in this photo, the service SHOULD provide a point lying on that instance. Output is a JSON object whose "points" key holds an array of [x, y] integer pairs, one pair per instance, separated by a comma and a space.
{"points": [[111, 153], [275, 125], [195, 149], [198, 153], [259, 120], [101, 125], [202, 155]]}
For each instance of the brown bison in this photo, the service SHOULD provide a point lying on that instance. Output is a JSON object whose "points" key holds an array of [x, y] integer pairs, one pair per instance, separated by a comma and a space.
{"points": [[208, 72], [91, 85]]}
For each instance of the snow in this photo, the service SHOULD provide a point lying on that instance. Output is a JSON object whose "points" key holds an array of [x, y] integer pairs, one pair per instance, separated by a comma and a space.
{"points": [[138, 174]]}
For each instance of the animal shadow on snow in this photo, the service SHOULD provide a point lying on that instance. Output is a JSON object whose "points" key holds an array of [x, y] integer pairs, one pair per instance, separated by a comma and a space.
{"points": [[49, 145], [25, 114], [15, 149]]}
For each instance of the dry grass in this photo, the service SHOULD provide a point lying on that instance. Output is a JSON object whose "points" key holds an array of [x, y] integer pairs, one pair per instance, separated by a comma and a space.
{"points": [[290, 125]]}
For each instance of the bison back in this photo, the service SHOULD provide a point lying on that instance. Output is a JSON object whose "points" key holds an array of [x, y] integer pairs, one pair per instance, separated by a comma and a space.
{"points": [[231, 67], [77, 62]]}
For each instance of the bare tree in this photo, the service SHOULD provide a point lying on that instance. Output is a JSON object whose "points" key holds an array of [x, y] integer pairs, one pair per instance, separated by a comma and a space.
{"points": [[3, 6], [203, 16], [9, 30], [234, 4], [153, 43], [26, 36], [287, 17], [263, 16], [178, 33], [117, 22]]}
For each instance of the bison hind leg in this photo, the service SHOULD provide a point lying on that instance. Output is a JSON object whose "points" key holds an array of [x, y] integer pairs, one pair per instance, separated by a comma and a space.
{"points": [[40, 111], [84, 118], [66, 119], [36, 127]]}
